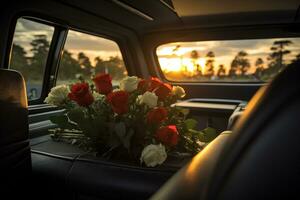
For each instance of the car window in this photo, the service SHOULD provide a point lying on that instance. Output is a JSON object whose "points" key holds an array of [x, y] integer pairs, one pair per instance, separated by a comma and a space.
{"points": [[85, 55], [29, 53], [251, 60]]}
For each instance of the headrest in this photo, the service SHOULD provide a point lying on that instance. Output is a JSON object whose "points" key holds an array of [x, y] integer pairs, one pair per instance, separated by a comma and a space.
{"points": [[12, 88]]}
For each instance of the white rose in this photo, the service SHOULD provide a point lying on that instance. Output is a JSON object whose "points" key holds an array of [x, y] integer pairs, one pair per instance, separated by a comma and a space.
{"points": [[129, 83], [153, 155], [58, 95], [178, 91], [148, 98]]}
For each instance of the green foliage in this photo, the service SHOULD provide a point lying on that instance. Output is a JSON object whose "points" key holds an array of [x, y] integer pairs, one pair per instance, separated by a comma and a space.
{"points": [[207, 135], [69, 67], [62, 121], [190, 123], [40, 48], [123, 135], [240, 64], [210, 59], [32, 68], [113, 66], [19, 61]]}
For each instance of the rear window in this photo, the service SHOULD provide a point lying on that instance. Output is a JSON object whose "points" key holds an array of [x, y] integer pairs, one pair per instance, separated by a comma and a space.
{"points": [[30, 49], [251, 60], [85, 55]]}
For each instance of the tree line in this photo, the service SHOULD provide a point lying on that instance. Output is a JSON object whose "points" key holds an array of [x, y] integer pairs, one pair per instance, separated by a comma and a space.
{"points": [[32, 67], [240, 65]]}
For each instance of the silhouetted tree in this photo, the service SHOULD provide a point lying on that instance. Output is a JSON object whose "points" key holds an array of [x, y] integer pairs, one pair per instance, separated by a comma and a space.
{"points": [[296, 59], [68, 67], [194, 57], [40, 48], [199, 70], [176, 48], [221, 71], [233, 68], [99, 65], [85, 64], [240, 64], [115, 67], [259, 64], [276, 58], [19, 61], [210, 59]]}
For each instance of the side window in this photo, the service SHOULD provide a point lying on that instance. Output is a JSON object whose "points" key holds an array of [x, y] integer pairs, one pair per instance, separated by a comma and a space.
{"points": [[251, 60], [87, 55], [29, 53]]}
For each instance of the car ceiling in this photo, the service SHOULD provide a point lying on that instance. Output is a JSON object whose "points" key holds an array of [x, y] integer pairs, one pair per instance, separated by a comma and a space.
{"points": [[144, 16]]}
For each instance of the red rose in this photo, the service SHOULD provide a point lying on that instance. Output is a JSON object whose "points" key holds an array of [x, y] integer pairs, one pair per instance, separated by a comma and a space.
{"points": [[154, 83], [157, 115], [80, 92], [103, 83], [168, 135], [143, 85], [118, 101], [163, 91]]}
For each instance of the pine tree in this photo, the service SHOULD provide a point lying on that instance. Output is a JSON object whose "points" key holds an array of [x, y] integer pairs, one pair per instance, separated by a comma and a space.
{"points": [[210, 59], [40, 48], [19, 61], [221, 71], [276, 57]]}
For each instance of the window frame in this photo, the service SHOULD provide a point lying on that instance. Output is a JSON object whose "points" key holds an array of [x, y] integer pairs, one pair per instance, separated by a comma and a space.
{"points": [[55, 43], [215, 36], [55, 53]]}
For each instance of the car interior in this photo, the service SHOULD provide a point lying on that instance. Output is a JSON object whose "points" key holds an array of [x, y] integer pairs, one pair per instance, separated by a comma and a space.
{"points": [[238, 62]]}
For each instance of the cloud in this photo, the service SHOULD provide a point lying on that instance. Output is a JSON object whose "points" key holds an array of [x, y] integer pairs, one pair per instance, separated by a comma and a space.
{"points": [[93, 54], [76, 41], [25, 25]]}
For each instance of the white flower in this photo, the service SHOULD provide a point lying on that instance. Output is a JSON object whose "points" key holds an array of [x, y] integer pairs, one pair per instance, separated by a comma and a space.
{"points": [[148, 98], [129, 83], [153, 155], [178, 91], [58, 95]]}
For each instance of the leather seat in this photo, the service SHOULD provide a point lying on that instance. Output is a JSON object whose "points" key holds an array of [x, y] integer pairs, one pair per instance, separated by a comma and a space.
{"points": [[15, 158], [259, 160]]}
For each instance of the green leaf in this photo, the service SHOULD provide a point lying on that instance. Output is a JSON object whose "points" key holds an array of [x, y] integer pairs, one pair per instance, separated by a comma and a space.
{"points": [[87, 125], [207, 135], [210, 133], [114, 141], [60, 120], [120, 130], [190, 123], [76, 115], [125, 137]]}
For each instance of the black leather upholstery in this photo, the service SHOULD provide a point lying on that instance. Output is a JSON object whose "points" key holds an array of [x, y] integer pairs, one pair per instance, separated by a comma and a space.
{"points": [[15, 159], [260, 160], [86, 177]]}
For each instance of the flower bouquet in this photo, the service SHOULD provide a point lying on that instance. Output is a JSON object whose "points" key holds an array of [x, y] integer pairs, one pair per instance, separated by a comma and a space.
{"points": [[137, 121]]}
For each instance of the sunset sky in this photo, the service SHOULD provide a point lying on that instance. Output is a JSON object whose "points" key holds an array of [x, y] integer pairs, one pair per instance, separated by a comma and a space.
{"points": [[224, 51], [92, 46]]}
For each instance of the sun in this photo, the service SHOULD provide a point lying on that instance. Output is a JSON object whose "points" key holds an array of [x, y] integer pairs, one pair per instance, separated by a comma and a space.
{"points": [[170, 64], [201, 62], [182, 65]]}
